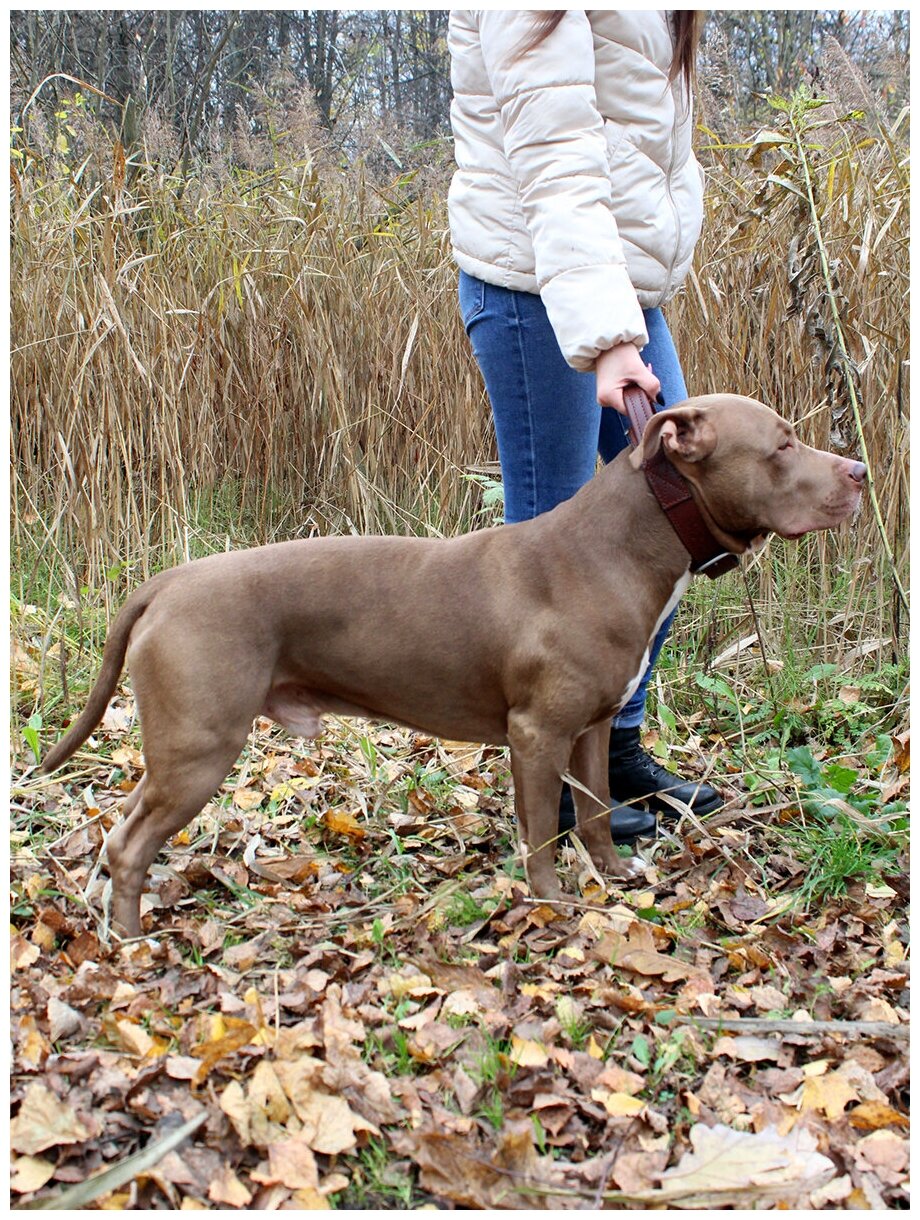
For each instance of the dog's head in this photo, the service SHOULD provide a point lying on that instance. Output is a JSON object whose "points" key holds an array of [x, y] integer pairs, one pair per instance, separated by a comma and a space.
{"points": [[749, 474]]}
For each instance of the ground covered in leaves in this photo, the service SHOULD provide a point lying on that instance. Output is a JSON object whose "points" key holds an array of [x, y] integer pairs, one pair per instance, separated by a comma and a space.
{"points": [[347, 999]]}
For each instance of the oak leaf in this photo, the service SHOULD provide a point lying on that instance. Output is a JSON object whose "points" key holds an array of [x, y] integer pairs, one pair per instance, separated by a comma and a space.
{"points": [[725, 1166]]}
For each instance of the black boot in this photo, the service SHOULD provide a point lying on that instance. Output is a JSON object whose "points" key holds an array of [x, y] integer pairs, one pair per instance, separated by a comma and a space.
{"points": [[634, 775], [627, 822]]}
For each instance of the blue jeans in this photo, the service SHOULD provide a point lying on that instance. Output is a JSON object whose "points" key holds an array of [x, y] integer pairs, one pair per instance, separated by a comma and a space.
{"points": [[549, 425]]}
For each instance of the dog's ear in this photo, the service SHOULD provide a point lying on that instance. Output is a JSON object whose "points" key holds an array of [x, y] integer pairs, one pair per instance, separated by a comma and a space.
{"points": [[685, 433]]}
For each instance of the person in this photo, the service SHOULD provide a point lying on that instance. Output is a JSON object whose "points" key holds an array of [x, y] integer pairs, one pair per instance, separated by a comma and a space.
{"points": [[574, 210]]}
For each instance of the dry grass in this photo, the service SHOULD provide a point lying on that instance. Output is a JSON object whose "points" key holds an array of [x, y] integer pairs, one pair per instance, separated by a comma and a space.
{"points": [[248, 356]]}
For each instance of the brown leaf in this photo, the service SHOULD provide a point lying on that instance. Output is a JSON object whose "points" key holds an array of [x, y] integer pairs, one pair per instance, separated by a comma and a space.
{"points": [[636, 952], [748, 907], [83, 948], [456, 1166], [291, 1164], [329, 1122]]}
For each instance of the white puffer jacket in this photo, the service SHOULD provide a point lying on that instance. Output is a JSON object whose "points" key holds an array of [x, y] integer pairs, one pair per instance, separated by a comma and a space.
{"points": [[575, 176]]}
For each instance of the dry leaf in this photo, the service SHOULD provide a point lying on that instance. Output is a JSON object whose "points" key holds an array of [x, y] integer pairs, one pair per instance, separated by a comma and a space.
{"points": [[44, 1121], [830, 1094], [22, 953], [618, 1105], [525, 1052], [248, 798], [291, 1164], [871, 1115], [748, 1049], [329, 1122], [63, 1021], [728, 1167], [455, 1166], [341, 822], [30, 1173], [885, 1154], [227, 1188]]}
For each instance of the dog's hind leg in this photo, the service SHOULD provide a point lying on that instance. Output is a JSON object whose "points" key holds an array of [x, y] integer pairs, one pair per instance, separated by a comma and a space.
{"points": [[171, 793]]}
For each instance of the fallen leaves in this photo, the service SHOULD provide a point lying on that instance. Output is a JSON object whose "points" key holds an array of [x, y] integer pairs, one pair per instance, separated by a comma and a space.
{"points": [[356, 1004]]}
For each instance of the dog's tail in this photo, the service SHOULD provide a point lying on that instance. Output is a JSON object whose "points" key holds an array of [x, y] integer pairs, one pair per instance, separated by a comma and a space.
{"points": [[113, 659]]}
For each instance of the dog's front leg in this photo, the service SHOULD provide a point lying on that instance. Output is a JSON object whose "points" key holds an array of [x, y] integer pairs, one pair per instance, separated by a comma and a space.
{"points": [[537, 762], [592, 812]]}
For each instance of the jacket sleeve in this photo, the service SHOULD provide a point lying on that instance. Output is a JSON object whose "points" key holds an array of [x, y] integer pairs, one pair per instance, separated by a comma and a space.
{"points": [[555, 144]]}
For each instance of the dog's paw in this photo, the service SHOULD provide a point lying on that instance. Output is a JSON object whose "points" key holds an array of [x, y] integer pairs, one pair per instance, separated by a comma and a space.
{"points": [[634, 868]]}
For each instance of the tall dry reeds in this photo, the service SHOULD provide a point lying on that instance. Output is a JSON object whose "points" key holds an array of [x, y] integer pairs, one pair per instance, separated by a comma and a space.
{"points": [[243, 356]]}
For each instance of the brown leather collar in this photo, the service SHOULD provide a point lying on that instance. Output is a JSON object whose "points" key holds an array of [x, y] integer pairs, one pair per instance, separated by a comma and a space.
{"points": [[672, 491]]}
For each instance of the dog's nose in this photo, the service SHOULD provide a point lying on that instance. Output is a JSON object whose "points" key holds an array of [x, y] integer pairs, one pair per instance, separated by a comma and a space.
{"points": [[857, 472]]}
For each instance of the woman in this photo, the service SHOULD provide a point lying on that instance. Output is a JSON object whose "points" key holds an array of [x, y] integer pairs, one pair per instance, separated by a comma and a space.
{"points": [[574, 212]]}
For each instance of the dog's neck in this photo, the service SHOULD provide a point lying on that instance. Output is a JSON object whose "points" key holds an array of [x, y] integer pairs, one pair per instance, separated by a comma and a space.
{"points": [[617, 511]]}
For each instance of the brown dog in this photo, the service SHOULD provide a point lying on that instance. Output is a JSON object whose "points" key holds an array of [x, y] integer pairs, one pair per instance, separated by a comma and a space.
{"points": [[528, 635]]}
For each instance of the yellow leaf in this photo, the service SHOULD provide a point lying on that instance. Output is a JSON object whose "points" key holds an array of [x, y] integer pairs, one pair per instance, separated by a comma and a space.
{"points": [[870, 1115], [239, 1034], [829, 1093], [126, 758], [43, 936], [36, 883], [30, 1173], [540, 991], [593, 1049], [401, 985], [619, 1105], [527, 1053], [310, 1200], [295, 784], [340, 822], [34, 1048], [817, 1067]]}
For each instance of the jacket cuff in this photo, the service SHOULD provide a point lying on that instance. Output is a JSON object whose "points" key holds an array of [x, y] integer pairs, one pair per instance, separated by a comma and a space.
{"points": [[592, 309]]}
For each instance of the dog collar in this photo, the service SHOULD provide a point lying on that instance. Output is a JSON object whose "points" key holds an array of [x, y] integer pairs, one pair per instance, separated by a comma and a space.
{"points": [[672, 491]]}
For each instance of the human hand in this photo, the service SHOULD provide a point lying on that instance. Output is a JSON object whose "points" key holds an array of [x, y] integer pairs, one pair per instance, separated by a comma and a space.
{"points": [[615, 369]]}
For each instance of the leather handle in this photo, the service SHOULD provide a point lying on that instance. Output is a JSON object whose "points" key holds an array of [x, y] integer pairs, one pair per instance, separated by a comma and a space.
{"points": [[639, 411]]}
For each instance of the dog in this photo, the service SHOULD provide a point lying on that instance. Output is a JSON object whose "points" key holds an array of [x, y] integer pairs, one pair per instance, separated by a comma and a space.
{"points": [[530, 635]]}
